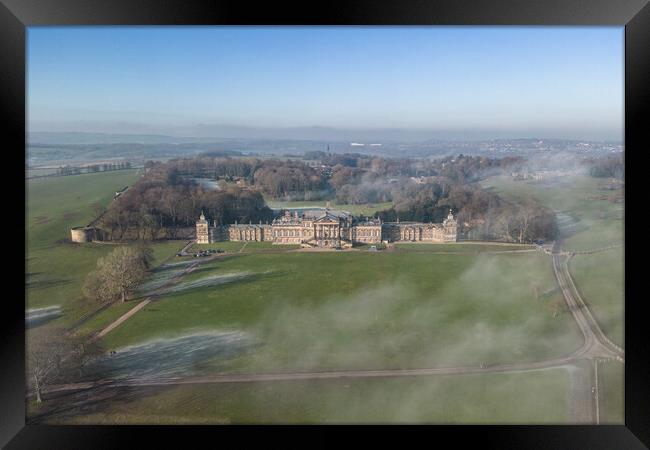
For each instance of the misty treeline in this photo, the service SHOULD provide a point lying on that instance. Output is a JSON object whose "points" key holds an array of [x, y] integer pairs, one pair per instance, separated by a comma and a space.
{"points": [[610, 167], [281, 179], [166, 199], [425, 190], [348, 178], [93, 168], [481, 214], [162, 202], [604, 166]]}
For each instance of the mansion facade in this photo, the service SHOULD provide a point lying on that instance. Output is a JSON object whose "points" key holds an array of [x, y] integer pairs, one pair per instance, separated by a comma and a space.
{"points": [[327, 228]]}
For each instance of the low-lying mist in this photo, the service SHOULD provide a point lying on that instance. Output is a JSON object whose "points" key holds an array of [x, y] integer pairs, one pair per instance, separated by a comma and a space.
{"points": [[490, 314], [184, 355]]}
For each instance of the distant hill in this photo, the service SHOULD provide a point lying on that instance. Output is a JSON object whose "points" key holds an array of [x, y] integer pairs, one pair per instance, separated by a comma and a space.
{"points": [[64, 138], [75, 147]]}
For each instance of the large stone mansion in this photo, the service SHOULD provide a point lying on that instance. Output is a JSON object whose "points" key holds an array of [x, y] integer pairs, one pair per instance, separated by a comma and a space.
{"points": [[327, 228]]}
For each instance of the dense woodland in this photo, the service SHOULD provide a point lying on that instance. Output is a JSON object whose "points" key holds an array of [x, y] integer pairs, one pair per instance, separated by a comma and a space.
{"points": [[162, 201], [166, 198]]}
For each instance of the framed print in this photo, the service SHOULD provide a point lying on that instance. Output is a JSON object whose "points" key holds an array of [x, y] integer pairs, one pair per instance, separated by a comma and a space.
{"points": [[380, 214]]}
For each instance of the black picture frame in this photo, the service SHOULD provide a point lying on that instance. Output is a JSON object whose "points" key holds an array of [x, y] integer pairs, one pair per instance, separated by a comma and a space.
{"points": [[15, 15]]}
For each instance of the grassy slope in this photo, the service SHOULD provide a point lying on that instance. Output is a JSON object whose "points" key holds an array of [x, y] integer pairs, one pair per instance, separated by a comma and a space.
{"points": [[599, 276], [534, 397], [57, 269], [336, 310], [601, 221], [54, 205]]}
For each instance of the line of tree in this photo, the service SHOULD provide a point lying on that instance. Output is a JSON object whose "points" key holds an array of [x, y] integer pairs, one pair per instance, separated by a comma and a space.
{"points": [[163, 201], [481, 214], [166, 198], [611, 167], [346, 179]]}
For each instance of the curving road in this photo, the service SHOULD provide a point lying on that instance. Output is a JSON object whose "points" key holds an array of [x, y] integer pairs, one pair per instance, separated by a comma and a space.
{"points": [[595, 346], [591, 348]]}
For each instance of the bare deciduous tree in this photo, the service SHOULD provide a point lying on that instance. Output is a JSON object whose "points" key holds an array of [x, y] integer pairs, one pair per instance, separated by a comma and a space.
{"points": [[53, 355], [118, 273]]}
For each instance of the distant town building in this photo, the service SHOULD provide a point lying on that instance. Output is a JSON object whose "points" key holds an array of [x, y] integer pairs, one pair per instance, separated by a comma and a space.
{"points": [[328, 228]]}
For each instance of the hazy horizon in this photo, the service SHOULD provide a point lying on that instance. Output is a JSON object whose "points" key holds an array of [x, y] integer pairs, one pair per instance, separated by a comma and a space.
{"points": [[322, 134], [338, 83]]}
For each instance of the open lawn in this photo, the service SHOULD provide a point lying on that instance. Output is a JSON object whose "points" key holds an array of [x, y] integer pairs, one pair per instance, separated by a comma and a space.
{"points": [[612, 392], [365, 310], [519, 398], [462, 247], [54, 205], [226, 246], [586, 220], [267, 310], [588, 223], [249, 247], [56, 269], [599, 277]]}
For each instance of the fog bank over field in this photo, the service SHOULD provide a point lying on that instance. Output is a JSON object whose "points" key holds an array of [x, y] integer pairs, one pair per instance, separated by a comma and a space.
{"points": [[469, 320], [180, 356]]}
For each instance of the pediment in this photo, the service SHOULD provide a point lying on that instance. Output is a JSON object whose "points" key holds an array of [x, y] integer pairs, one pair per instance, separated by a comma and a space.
{"points": [[327, 218]]}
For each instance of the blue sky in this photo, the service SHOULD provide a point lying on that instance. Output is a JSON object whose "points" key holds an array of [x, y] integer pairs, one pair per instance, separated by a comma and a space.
{"points": [[521, 81]]}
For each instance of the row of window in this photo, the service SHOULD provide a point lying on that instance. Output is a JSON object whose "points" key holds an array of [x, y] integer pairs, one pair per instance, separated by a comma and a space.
{"points": [[290, 233], [369, 233]]}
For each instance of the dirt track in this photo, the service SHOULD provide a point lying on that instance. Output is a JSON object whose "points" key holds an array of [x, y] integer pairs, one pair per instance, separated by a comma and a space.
{"points": [[595, 346]]}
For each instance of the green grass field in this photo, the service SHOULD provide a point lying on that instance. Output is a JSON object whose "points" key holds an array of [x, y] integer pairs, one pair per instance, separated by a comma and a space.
{"points": [[54, 205], [226, 246], [248, 247], [462, 247], [612, 398], [520, 398], [412, 307], [56, 269], [599, 277], [599, 223], [367, 310]]}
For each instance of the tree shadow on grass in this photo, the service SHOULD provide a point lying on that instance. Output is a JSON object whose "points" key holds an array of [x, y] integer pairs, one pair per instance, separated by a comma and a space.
{"points": [[61, 407], [33, 323], [191, 354], [43, 284], [209, 287]]}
